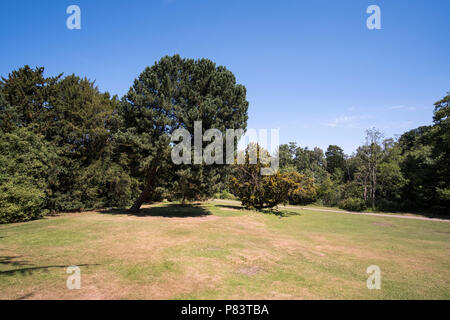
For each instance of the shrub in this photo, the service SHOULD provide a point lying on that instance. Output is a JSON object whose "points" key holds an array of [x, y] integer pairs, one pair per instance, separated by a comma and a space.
{"points": [[304, 190], [25, 162], [352, 204], [105, 184], [253, 189], [267, 191], [224, 194], [21, 202]]}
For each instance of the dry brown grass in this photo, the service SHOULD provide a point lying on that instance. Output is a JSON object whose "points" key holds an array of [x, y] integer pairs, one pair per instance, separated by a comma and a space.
{"points": [[219, 252]]}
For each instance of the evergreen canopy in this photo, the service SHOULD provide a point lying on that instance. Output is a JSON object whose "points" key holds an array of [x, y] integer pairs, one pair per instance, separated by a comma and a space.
{"points": [[172, 94]]}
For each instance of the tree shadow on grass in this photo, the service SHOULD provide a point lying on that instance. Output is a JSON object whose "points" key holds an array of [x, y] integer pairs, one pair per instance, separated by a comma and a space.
{"points": [[24, 297], [229, 206], [171, 210], [273, 211], [13, 261], [426, 214], [279, 213], [9, 260]]}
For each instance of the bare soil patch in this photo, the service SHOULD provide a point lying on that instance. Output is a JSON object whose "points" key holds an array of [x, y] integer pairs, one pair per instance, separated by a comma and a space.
{"points": [[250, 270]]}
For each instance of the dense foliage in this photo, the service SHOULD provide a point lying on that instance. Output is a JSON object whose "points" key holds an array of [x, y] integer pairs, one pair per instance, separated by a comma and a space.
{"points": [[26, 164], [77, 121], [408, 173], [172, 94], [64, 145], [353, 204], [266, 191]]}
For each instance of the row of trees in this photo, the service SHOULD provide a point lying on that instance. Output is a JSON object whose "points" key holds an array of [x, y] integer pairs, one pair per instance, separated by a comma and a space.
{"points": [[64, 145], [407, 173]]}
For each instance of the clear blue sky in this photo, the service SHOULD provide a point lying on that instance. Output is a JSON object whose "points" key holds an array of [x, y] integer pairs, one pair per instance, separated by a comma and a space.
{"points": [[311, 68]]}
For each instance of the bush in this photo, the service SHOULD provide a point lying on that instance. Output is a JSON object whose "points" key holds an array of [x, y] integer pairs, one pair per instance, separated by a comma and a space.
{"points": [[352, 204], [224, 194], [105, 184], [253, 189], [21, 202], [25, 160], [304, 189], [267, 191]]}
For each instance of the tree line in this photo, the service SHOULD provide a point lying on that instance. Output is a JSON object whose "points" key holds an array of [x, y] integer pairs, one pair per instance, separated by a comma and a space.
{"points": [[408, 173], [66, 146]]}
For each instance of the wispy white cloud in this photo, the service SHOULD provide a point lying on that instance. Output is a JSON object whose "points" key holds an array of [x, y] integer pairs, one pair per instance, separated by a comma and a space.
{"points": [[346, 121], [401, 107]]}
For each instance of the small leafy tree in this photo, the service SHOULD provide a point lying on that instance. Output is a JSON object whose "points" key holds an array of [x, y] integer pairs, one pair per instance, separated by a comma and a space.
{"points": [[247, 183], [369, 156], [266, 191]]}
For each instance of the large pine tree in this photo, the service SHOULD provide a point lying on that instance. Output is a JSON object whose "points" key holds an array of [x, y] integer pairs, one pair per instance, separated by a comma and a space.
{"points": [[172, 94]]}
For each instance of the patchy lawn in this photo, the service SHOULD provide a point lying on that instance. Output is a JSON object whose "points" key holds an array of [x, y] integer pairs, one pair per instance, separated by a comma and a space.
{"points": [[218, 251]]}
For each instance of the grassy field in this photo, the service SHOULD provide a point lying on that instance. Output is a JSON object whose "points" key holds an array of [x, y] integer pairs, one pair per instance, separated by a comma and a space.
{"points": [[218, 251]]}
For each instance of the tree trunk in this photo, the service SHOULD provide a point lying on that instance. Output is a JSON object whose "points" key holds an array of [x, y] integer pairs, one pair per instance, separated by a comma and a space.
{"points": [[365, 188], [146, 192], [374, 184]]}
